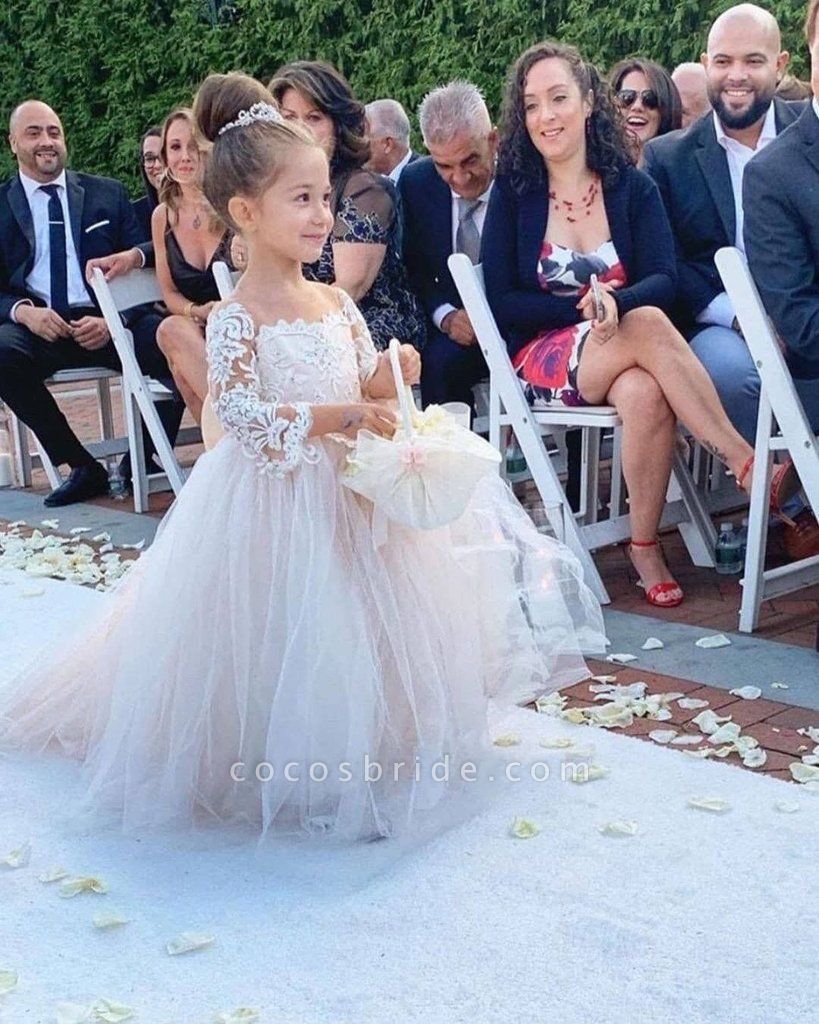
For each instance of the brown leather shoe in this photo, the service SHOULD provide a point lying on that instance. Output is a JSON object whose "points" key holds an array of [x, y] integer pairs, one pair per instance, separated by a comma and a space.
{"points": [[802, 539]]}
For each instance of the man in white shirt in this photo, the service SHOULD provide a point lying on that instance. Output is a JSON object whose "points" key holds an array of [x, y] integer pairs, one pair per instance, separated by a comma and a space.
{"points": [[445, 198], [389, 135], [52, 221], [699, 172]]}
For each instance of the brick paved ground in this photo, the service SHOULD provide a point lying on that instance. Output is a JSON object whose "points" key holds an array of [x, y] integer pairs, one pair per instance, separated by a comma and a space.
{"points": [[711, 600]]}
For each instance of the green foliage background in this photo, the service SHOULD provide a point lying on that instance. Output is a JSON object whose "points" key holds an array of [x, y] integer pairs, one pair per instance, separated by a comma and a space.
{"points": [[111, 69]]}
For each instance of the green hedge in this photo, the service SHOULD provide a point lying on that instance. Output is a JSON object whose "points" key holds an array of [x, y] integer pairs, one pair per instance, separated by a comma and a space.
{"points": [[112, 69]]}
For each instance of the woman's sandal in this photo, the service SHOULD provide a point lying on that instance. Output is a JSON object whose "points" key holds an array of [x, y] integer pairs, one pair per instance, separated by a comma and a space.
{"points": [[660, 590], [785, 483]]}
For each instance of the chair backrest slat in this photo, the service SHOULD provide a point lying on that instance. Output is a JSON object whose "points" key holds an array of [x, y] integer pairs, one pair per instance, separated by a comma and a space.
{"points": [[226, 279]]}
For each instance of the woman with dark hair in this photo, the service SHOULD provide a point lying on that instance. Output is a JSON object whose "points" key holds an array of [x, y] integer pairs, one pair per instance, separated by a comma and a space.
{"points": [[151, 167], [363, 253], [648, 100], [568, 203]]}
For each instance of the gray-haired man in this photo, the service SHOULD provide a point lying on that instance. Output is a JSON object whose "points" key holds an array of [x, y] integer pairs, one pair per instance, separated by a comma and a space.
{"points": [[445, 197], [389, 133]]}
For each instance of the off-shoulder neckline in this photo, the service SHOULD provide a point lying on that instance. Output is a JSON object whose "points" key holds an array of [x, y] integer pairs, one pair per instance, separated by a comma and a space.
{"points": [[342, 315]]}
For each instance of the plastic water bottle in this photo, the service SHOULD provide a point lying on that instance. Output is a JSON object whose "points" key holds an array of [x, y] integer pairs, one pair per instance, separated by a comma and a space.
{"points": [[728, 559], [743, 536], [515, 460]]}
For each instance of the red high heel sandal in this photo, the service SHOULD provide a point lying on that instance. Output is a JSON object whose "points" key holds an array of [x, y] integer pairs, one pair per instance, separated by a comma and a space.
{"points": [[785, 483], [659, 590]]}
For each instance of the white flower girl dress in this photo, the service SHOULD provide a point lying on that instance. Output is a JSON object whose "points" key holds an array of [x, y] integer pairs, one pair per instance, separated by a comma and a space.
{"points": [[268, 661]]}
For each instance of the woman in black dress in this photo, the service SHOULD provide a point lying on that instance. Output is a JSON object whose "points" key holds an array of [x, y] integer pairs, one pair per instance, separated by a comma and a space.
{"points": [[363, 253]]}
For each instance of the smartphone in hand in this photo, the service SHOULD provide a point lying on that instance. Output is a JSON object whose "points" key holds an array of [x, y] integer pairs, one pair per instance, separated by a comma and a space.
{"points": [[597, 293]]}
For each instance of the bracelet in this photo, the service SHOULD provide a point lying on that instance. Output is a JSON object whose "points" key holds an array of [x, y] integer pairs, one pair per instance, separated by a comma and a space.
{"points": [[187, 310]]}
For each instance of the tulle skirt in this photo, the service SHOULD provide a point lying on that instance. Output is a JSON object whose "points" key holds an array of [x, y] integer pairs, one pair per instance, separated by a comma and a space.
{"points": [[269, 662]]}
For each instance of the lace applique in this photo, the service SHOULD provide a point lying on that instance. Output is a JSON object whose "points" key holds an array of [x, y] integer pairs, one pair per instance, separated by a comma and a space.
{"points": [[364, 348], [273, 435]]}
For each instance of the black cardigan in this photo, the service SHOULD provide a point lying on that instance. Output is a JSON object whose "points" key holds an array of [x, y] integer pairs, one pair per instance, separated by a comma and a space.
{"points": [[513, 235]]}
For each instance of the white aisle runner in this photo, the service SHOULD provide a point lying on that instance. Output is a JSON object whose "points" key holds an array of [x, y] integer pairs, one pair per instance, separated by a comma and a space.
{"points": [[700, 917]]}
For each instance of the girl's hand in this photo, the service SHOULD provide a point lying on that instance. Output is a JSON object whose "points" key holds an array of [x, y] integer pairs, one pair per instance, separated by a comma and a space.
{"points": [[409, 360], [367, 416]]}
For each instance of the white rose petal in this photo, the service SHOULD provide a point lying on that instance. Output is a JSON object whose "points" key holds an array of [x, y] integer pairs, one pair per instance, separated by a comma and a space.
{"points": [[17, 858], [747, 692], [727, 733], [780, 686], [619, 828], [140, 544], [51, 524], [604, 679], [109, 1012], [704, 752], [556, 742], [31, 592], [8, 980], [588, 773], [75, 531], [686, 740], [241, 1015], [755, 758], [112, 920], [552, 704], [662, 735], [710, 643], [810, 759], [53, 875], [509, 739], [709, 803], [524, 828], [804, 772], [577, 716], [74, 886], [708, 722], [653, 644], [786, 806], [692, 703], [187, 942], [621, 659]]}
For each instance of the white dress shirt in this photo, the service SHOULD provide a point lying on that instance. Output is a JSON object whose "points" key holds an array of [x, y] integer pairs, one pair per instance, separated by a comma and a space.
{"points": [[719, 310], [395, 173], [38, 281], [479, 216]]}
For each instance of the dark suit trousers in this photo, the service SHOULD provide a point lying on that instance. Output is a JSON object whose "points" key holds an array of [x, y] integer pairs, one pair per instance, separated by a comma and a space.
{"points": [[449, 370], [26, 361]]}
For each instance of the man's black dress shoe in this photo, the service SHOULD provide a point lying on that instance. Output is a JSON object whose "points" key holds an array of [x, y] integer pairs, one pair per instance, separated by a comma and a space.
{"points": [[83, 482]]}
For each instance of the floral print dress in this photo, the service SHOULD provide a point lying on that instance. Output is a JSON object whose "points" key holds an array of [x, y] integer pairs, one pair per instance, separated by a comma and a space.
{"points": [[547, 365]]}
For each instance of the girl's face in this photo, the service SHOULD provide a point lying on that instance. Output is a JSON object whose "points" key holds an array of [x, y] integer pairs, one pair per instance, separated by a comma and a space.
{"points": [[293, 217], [152, 159], [555, 111], [182, 153], [642, 113], [296, 107]]}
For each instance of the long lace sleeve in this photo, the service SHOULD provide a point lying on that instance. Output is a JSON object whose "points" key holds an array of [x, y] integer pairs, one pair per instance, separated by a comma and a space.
{"points": [[273, 435], [365, 351]]}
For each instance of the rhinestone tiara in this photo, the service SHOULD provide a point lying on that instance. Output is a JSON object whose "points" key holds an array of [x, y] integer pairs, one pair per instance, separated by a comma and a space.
{"points": [[258, 112]]}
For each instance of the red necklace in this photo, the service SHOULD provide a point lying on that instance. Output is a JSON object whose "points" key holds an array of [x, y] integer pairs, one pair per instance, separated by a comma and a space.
{"points": [[574, 208]]}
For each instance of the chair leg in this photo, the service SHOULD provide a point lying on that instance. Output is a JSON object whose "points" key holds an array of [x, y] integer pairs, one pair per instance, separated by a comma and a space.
{"points": [[697, 531], [22, 454], [617, 502], [494, 417], [106, 415], [54, 476], [753, 579], [590, 475]]}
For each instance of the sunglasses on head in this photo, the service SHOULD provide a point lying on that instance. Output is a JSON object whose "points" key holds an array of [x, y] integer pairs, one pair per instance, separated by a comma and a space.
{"points": [[650, 100]]}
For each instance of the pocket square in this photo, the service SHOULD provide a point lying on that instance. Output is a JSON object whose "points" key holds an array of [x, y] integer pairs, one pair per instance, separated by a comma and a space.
{"points": [[98, 224]]}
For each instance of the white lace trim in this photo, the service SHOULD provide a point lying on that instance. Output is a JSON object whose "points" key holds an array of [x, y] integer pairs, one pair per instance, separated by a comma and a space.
{"points": [[239, 404]]}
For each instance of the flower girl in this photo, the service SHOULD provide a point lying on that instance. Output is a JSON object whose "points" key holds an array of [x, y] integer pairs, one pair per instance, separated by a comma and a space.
{"points": [[269, 660]]}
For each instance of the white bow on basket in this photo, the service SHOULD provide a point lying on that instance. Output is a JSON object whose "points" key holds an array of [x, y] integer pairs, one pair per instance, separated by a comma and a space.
{"points": [[423, 476]]}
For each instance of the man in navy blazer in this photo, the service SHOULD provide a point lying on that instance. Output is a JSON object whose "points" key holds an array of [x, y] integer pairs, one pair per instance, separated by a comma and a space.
{"points": [[781, 198], [52, 221], [699, 171], [444, 199]]}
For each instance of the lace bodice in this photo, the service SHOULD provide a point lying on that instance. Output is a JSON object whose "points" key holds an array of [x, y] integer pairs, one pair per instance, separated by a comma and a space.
{"points": [[263, 380]]}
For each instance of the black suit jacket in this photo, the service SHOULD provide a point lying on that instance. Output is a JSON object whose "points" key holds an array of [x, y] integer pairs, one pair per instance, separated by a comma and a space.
{"points": [[427, 204], [780, 193], [691, 170], [102, 222]]}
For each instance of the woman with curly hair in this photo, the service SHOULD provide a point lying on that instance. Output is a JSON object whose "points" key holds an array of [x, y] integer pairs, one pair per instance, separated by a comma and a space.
{"points": [[648, 100], [363, 253], [568, 203]]}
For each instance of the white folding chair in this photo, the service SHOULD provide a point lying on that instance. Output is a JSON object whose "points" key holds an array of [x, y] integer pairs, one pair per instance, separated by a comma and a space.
{"points": [[226, 279], [508, 408], [782, 426], [140, 393], [108, 447]]}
